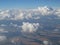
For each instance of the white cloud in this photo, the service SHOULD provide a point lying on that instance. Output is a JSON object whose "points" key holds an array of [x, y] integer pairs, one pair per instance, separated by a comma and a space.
{"points": [[14, 40], [20, 16], [45, 42], [3, 31], [45, 10], [17, 14], [57, 12], [4, 14], [29, 27], [37, 17], [56, 30], [14, 25], [3, 25], [3, 38]]}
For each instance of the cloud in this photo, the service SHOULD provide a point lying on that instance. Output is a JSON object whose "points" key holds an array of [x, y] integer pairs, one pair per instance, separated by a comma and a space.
{"points": [[15, 40], [45, 10], [17, 14], [15, 25], [3, 31], [3, 25], [56, 30], [29, 27], [45, 42], [4, 14], [3, 38], [57, 12]]}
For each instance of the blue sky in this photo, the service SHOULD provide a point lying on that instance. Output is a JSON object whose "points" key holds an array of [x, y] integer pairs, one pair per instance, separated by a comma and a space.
{"points": [[23, 4]]}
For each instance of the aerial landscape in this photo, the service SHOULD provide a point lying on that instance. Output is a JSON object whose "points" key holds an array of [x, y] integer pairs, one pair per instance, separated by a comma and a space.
{"points": [[29, 22]]}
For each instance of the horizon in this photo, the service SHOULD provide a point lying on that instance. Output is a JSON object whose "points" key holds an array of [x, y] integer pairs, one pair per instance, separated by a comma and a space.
{"points": [[28, 4]]}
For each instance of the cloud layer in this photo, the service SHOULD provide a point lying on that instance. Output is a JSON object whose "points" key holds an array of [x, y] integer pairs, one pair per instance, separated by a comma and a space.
{"points": [[17, 14]]}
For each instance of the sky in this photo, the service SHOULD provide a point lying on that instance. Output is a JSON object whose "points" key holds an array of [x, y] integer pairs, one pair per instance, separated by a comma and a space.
{"points": [[26, 4]]}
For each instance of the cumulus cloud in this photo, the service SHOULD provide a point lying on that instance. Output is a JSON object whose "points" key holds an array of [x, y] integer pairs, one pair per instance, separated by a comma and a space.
{"points": [[45, 42], [29, 27], [45, 10], [4, 14], [57, 12], [17, 14]]}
